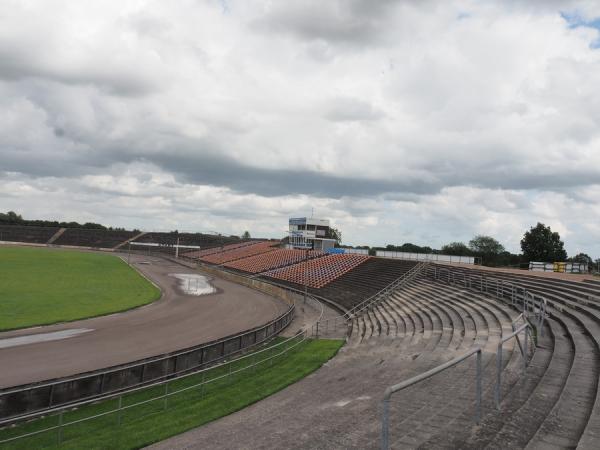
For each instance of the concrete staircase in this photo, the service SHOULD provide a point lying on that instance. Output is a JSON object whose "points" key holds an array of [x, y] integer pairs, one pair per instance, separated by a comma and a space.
{"points": [[554, 405], [124, 243], [55, 236], [425, 323]]}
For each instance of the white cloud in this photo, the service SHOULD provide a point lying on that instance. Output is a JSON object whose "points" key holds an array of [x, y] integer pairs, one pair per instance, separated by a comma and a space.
{"points": [[401, 121]]}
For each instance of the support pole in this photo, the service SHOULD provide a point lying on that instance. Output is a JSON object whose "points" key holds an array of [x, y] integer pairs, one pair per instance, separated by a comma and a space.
{"points": [[478, 393], [385, 425], [497, 392]]}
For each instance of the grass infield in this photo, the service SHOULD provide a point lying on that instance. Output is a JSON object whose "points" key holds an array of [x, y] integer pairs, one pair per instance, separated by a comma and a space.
{"points": [[157, 420], [45, 286]]}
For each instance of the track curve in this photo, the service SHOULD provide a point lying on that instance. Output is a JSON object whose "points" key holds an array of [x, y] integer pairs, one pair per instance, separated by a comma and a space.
{"points": [[173, 322]]}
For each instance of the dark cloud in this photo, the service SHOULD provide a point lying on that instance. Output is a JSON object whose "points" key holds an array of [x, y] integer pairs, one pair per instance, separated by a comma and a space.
{"points": [[355, 22], [217, 170], [18, 66]]}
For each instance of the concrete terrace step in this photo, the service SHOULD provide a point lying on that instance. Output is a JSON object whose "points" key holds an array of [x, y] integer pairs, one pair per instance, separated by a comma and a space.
{"points": [[562, 410], [565, 424]]}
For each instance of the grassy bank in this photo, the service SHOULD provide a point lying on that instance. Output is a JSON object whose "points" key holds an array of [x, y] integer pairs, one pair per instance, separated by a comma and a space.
{"points": [[44, 286], [158, 420]]}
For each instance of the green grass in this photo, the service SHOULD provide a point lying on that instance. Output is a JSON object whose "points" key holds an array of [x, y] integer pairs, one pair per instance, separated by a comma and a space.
{"points": [[143, 425], [45, 286]]}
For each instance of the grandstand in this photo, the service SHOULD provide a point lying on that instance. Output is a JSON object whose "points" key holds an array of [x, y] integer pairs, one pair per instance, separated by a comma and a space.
{"points": [[318, 272], [33, 235], [255, 248], [83, 237], [431, 319], [365, 280], [272, 260], [198, 254], [114, 239], [195, 239], [440, 313]]}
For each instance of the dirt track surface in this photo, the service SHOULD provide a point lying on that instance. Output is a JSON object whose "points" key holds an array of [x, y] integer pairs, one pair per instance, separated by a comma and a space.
{"points": [[174, 322]]}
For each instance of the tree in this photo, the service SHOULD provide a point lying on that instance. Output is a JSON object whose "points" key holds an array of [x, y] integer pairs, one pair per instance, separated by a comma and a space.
{"points": [[11, 217], [488, 248], [334, 233], [456, 249], [583, 258], [246, 235], [541, 244]]}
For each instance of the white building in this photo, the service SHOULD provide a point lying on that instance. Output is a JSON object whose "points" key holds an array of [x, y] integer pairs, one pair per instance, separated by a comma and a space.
{"points": [[310, 233]]}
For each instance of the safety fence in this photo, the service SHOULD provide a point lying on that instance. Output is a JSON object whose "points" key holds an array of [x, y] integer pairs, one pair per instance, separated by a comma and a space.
{"points": [[561, 267], [42, 397], [59, 424], [385, 419], [333, 323], [431, 257], [532, 305]]}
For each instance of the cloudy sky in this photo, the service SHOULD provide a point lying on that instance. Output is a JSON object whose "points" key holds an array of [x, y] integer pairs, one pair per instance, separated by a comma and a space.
{"points": [[423, 122]]}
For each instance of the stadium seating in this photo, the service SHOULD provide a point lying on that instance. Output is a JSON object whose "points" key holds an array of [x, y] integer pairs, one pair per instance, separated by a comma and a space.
{"points": [[197, 254], [17, 233], [245, 251], [84, 237], [318, 272], [198, 239], [272, 260], [364, 280], [554, 405]]}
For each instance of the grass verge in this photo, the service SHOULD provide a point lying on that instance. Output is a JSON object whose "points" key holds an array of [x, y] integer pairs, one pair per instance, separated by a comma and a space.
{"points": [[157, 420], [45, 286]]}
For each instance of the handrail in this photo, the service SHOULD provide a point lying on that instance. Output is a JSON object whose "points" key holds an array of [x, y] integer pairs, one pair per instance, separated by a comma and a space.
{"points": [[377, 297], [525, 328], [284, 319], [151, 359], [390, 287], [301, 334], [385, 444], [530, 302], [61, 409]]}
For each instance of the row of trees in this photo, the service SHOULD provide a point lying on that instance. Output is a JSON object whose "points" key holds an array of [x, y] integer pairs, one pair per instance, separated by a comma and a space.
{"points": [[12, 218], [539, 243]]}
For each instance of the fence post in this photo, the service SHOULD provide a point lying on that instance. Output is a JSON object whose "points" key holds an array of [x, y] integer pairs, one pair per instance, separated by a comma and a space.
{"points": [[119, 410], [525, 350], [498, 375], [166, 395], [385, 439], [202, 386], [60, 424], [478, 412]]}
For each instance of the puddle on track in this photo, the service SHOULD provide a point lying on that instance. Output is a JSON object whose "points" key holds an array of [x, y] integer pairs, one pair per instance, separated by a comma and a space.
{"points": [[193, 283]]}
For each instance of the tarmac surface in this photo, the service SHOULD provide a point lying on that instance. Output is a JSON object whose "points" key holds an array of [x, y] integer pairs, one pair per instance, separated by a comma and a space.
{"points": [[175, 321]]}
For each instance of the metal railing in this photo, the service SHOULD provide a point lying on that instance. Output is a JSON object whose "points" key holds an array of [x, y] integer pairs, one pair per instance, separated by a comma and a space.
{"points": [[532, 305], [271, 353], [526, 330], [332, 323], [385, 419], [94, 385], [388, 290]]}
